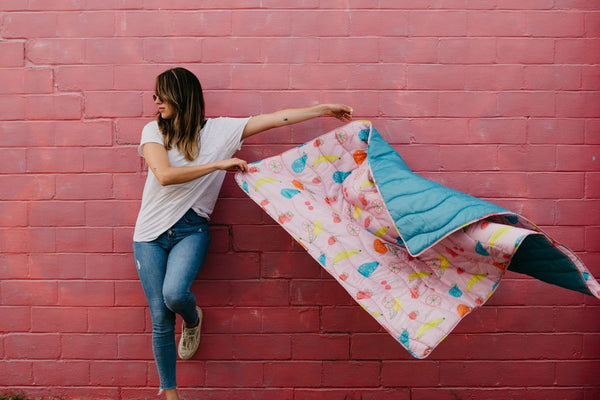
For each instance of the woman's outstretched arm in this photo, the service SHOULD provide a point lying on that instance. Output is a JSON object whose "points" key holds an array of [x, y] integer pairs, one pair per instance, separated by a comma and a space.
{"points": [[263, 122]]}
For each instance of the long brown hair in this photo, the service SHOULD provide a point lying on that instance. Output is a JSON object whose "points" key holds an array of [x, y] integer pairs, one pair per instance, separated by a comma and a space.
{"points": [[181, 88]]}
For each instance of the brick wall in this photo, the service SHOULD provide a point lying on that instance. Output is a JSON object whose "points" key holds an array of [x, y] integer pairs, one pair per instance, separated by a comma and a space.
{"points": [[498, 98]]}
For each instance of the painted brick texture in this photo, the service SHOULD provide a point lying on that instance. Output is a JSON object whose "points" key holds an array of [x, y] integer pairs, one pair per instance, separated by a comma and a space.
{"points": [[498, 98]]}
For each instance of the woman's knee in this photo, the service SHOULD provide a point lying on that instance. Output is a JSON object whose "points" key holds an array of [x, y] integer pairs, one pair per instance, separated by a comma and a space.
{"points": [[176, 300]]}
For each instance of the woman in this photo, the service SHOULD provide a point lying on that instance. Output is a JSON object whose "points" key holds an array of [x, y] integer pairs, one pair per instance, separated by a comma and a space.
{"points": [[187, 156]]}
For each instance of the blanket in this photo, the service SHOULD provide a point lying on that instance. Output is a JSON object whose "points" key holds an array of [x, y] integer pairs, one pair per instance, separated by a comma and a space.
{"points": [[416, 255]]}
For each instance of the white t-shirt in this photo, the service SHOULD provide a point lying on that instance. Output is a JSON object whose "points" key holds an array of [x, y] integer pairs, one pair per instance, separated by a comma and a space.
{"points": [[162, 206]]}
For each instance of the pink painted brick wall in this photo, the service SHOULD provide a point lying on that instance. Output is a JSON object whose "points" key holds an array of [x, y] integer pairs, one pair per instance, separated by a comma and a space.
{"points": [[498, 98]]}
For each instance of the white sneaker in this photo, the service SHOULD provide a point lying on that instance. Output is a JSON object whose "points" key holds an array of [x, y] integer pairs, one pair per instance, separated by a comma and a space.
{"points": [[190, 339]]}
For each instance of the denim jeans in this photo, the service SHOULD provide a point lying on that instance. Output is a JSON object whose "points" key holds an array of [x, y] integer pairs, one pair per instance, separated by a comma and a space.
{"points": [[167, 267]]}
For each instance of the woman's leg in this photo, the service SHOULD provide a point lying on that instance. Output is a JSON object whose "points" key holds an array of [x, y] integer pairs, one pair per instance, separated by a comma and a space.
{"points": [[151, 265], [184, 262]]}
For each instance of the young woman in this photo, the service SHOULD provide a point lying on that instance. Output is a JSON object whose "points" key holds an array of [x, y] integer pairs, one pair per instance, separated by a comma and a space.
{"points": [[187, 156]]}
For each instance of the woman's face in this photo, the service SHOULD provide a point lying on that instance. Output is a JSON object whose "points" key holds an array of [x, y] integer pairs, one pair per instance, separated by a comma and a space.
{"points": [[166, 110]]}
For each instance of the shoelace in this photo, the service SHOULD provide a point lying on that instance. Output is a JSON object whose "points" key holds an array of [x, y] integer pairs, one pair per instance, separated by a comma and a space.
{"points": [[189, 334]]}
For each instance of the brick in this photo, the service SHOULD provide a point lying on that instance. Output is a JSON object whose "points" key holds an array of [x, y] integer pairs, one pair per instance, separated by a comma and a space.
{"points": [[379, 23], [114, 50], [26, 80], [59, 319], [293, 373], [525, 51], [527, 104], [261, 23], [284, 320], [14, 107], [578, 158], [234, 374], [116, 159], [117, 319], [572, 236], [545, 77], [493, 77], [116, 373], [90, 293], [559, 131], [289, 265], [526, 158], [261, 347], [129, 130], [63, 106], [34, 240], [54, 160], [84, 77], [497, 23], [261, 76], [84, 186], [15, 213], [347, 319], [577, 51], [592, 131], [351, 374], [578, 212], [296, 50], [77, 346], [177, 50], [55, 51], [501, 130], [514, 347], [29, 292], [577, 319], [418, 373], [260, 237], [32, 346], [111, 213], [555, 24], [55, 373], [85, 24], [321, 23], [353, 394], [438, 23], [554, 393], [230, 50], [410, 50], [14, 266], [122, 239], [531, 319], [13, 161], [41, 5], [56, 213], [137, 347], [57, 133], [13, 373], [330, 76], [464, 104], [56, 266], [459, 158], [234, 320], [409, 104], [320, 347], [592, 24], [15, 319], [112, 104], [592, 238], [497, 373], [440, 77], [580, 372], [318, 292], [26, 25], [590, 78], [12, 53], [84, 239], [231, 266], [577, 104], [591, 346], [129, 293]]}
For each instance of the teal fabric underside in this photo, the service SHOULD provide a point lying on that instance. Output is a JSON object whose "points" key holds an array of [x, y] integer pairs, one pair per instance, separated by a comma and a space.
{"points": [[425, 212]]}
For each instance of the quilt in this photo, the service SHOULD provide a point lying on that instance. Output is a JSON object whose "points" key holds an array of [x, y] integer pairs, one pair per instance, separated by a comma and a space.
{"points": [[414, 254]]}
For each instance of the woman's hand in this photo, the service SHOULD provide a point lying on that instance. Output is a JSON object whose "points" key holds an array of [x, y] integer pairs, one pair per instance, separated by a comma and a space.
{"points": [[233, 164], [339, 111]]}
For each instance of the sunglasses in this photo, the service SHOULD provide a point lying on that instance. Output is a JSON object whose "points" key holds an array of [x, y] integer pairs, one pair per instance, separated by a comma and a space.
{"points": [[157, 97]]}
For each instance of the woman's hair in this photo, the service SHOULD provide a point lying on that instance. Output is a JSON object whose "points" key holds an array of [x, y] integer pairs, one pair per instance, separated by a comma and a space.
{"points": [[182, 90]]}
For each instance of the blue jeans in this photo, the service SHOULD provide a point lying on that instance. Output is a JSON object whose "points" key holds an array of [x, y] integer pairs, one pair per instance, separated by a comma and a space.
{"points": [[167, 267]]}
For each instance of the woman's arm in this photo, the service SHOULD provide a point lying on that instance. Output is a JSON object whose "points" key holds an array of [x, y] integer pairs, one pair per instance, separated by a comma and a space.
{"points": [[158, 161], [261, 123]]}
